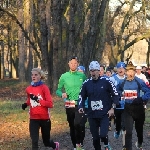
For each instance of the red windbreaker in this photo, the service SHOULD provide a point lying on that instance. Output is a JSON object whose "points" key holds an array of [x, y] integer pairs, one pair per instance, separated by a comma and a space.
{"points": [[40, 109]]}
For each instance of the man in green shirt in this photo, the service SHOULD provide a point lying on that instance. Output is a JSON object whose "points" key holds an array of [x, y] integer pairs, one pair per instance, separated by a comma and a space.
{"points": [[72, 81]]}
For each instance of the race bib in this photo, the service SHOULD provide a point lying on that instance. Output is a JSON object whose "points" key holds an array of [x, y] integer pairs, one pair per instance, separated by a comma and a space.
{"points": [[96, 105], [69, 104], [130, 94]]}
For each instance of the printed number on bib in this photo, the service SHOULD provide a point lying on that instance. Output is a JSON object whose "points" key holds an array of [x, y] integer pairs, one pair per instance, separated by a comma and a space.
{"points": [[96, 105], [130, 94], [69, 104]]}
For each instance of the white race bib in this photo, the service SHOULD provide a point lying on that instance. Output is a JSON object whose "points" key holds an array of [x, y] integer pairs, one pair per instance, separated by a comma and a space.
{"points": [[96, 105], [130, 94]]}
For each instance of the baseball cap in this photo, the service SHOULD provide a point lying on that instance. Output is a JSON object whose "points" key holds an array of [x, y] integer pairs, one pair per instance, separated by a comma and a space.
{"points": [[81, 68], [139, 67], [120, 65], [94, 65]]}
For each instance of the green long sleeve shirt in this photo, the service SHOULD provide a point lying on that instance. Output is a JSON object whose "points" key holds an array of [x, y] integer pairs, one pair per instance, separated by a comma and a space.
{"points": [[71, 82]]}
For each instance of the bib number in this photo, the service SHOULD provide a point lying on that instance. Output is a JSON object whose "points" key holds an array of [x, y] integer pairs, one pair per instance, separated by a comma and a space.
{"points": [[70, 104], [96, 105], [130, 94]]}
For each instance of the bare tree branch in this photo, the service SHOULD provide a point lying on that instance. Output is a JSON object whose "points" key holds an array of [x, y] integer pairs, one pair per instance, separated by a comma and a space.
{"points": [[22, 28]]}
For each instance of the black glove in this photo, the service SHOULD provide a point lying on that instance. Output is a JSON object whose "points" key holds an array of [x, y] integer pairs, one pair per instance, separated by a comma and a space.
{"points": [[137, 100], [33, 97], [24, 106]]}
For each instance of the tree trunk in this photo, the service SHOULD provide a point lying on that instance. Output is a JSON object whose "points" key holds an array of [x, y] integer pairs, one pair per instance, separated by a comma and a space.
{"points": [[21, 45]]}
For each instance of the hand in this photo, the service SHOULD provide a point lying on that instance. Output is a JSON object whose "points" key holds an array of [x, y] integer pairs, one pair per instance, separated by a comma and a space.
{"points": [[33, 97], [81, 110], [24, 106], [64, 95], [137, 100], [111, 112]]}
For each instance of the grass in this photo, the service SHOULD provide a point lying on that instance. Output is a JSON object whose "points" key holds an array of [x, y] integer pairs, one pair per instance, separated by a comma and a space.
{"points": [[14, 122]]}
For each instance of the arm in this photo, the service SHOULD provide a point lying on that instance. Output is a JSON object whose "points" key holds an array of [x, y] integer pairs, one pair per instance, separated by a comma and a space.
{"points": [[47, 101], [82, 98], [114, 93], [146, 91], [60, 86]]}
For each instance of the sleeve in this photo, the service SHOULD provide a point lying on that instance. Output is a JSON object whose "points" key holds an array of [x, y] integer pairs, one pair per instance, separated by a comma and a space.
{"points": [[60, 86], [144, 78], [28, 97], [47, 101], [82, 96], [114, 93], [146, 91]]}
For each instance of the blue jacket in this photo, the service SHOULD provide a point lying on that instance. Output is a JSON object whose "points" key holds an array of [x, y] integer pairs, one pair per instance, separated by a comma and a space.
{"points": [[101, 94], [135, 85], [116, 79]]}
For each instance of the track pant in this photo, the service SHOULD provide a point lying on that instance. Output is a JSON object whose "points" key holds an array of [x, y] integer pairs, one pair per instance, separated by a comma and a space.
{"points": [[101, 124], [119, 119], [77, 125], [133, 113], [45, 126]]}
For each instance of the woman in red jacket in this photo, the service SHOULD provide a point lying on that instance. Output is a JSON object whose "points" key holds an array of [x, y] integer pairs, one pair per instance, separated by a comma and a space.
{"points": [[40, 101]]}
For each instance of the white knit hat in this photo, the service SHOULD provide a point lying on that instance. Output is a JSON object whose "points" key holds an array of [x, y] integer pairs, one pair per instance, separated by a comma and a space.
{"points": [[94, 65], [139, 67]]}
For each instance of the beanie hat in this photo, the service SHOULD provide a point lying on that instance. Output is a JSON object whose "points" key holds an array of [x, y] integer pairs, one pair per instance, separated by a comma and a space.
{"points": [[120, 65], [94, 65], [81, 68], [130, 66], [139, 67]]}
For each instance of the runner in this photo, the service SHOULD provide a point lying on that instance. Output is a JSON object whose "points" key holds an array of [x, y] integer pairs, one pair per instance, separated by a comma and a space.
{"points": [[134, 110], [71, 82], [119, 109], [39, 99], [100, 92]]}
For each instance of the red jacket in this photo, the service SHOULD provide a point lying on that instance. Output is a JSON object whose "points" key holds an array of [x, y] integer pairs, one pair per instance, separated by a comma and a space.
{"points": [[40, 109]]}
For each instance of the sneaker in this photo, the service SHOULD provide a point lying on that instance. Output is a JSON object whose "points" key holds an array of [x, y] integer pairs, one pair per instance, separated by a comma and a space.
{"points": [[138, 146], [57, 146], [107, 147], [74, 149], [123, 148], [78, 147], [117, 134]]}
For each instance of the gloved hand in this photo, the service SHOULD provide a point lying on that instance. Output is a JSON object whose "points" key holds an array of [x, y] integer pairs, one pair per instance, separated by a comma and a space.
{"points": [[137, 100], [24, 106], [33, 97]]}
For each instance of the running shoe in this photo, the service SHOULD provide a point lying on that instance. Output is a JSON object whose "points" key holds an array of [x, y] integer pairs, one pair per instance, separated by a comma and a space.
{"points": [[117, 134], [78, 147], [138, 146], [107, 147], [57, 145]]}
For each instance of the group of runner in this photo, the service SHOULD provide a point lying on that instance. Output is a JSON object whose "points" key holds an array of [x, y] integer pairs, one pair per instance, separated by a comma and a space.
{"points": [[103, 95]]}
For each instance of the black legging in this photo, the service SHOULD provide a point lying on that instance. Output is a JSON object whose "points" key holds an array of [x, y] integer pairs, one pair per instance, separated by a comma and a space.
{"points": [[45, 126]]}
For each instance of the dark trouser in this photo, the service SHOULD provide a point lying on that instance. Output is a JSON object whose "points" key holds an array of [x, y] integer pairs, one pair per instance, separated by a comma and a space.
{"points": [[77, 125], [97, 124], [45, 126], [133, 113], [119, 119]]}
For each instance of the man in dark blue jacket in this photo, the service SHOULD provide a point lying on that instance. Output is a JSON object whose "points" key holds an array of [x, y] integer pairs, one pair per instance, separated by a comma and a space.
{"points": [[101, 94]]}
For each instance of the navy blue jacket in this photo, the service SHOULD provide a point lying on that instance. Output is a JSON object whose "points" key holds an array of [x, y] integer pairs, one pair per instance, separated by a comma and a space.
{"points": [[101, 93]]}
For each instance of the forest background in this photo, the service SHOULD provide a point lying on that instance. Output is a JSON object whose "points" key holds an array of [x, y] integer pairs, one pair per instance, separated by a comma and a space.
{"points": [[45, 33]]}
